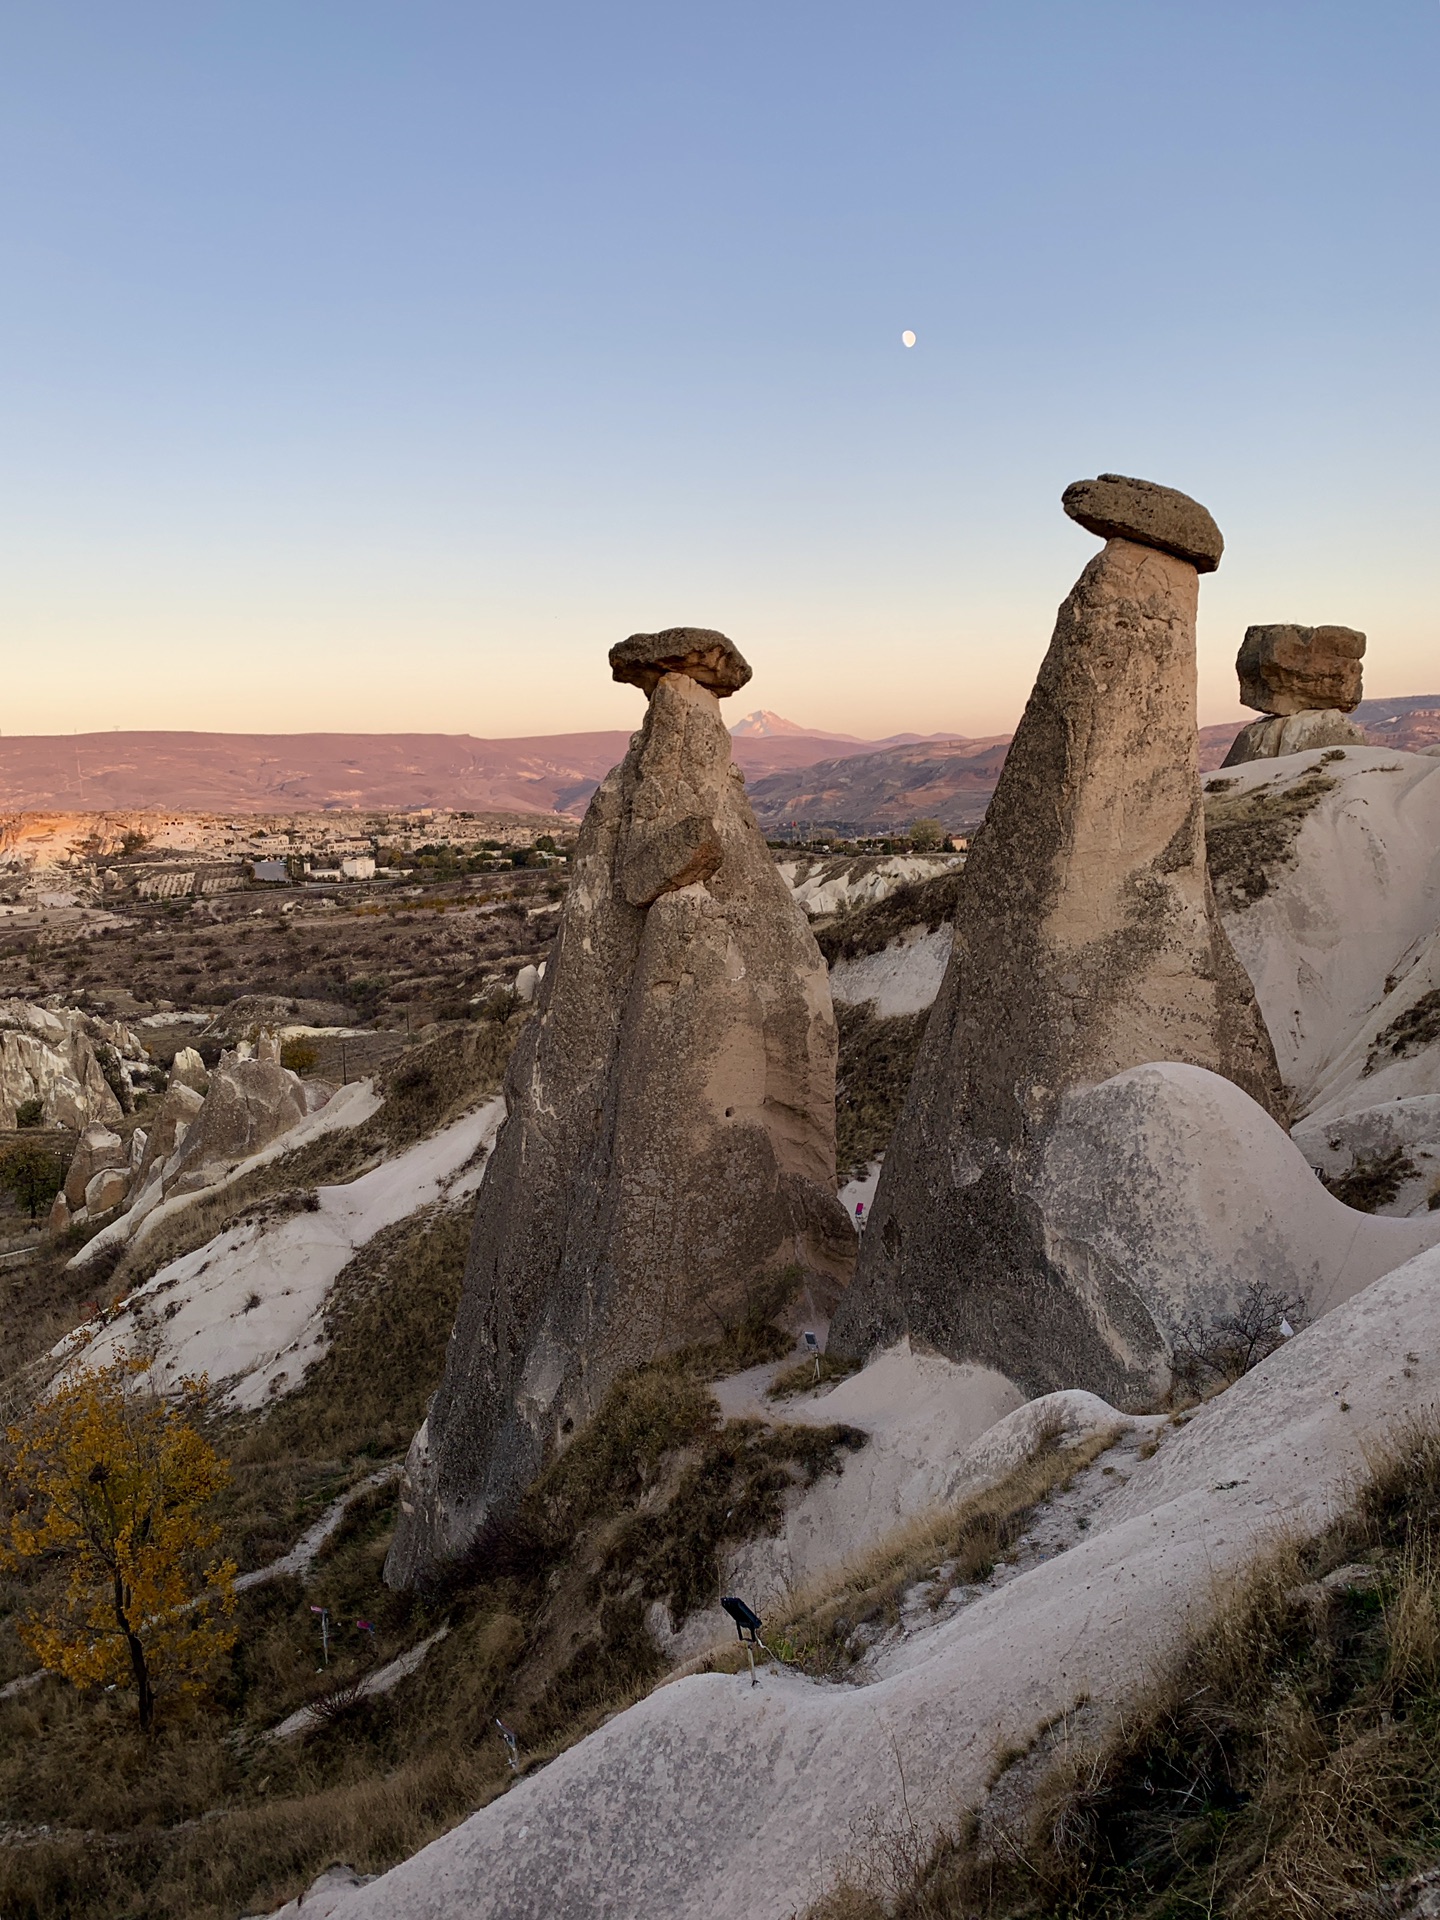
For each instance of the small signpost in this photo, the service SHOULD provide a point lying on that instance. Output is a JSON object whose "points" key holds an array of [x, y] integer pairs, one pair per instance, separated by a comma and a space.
{"points": [[324, 1613]]}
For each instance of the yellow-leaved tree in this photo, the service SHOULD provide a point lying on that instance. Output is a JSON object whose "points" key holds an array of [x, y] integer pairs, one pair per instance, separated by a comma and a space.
{"points": [[111, 1484]]}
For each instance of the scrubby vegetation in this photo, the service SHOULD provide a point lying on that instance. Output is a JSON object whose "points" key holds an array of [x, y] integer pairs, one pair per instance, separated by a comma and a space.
{"points": [[1249, 836], [1417, 1027], [877, 1058], [869, 929], [1372, 1180], [375, 958], [1214, 1351], [1285, 1767]]}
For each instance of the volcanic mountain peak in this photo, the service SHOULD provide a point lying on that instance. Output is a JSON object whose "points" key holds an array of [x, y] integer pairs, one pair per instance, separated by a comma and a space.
{"points": [[764, 725]]}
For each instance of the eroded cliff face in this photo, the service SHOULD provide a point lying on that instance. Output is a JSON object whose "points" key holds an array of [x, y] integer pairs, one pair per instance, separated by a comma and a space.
{"points": [[1086, 943], [670, 1134]]}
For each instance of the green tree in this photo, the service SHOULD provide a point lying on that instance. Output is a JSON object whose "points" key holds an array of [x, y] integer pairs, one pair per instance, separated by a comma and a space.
{"points": [[29, 1113], [32, 1175], [114, 1484], [927, 836]]}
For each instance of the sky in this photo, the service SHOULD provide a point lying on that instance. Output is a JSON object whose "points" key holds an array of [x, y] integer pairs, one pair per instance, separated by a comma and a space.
{"points": [[377, 366]]}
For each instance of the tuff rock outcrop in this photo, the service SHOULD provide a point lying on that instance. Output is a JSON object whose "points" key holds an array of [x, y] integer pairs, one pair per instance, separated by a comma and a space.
{"points": [[669, 1145], [1277, 734], [97, 1150], [177, 1114], [188, 1069], [249, 1104], [54, 1057], [1086, 943], [106, 1189], [1304, 680]]}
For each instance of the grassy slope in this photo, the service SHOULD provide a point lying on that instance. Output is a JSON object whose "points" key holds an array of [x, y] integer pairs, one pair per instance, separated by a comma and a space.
{"points": [[546, 1628], [1286, 1767]]}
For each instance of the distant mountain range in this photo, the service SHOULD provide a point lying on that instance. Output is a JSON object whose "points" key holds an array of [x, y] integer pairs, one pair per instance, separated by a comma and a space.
{"points": [[124, 772], [952, 780], [794, 773]]}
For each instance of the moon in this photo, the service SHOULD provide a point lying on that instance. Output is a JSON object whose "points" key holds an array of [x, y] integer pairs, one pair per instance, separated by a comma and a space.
{"points": [[907, 338]]}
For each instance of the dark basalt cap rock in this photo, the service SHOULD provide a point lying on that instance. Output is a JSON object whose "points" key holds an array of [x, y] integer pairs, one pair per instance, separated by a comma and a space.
{"points": [[1118, 508], [706, 656], [1289, 669]]}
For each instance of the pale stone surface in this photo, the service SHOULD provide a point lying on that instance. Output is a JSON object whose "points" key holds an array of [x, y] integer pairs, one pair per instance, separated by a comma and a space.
{"points": [[106, 1189], [1086, 943], [59, 1216], [97, 1147], [670, 1138], [187, 1069], [1403, 1134], [177, 1112], [50, 1057], [1280, 734], [1344, 941], [1118, 508], [1290, 669], [250, 1102], [699, 653], [527, 982]]}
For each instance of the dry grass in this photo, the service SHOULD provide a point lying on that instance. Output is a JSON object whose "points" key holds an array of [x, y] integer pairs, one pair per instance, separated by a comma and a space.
{"points": [[825, 1628], [1285, 1767], [814, 1371], [1418, 1027], [1250, 836], [1372, 1181]]}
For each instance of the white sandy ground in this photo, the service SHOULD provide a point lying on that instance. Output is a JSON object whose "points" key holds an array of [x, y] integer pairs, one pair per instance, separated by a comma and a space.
{"points": [[937, 1432], [710, 1797], [248, 1308], [859, 1191], [902, 978], [1345, 937], [348, 1106]]}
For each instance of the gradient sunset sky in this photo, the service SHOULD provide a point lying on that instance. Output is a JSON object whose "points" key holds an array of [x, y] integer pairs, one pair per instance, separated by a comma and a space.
{"points": [[374, 367]]}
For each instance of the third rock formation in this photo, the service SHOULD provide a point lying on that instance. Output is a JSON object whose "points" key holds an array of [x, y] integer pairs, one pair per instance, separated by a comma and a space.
{"points": [[1304, 680]]}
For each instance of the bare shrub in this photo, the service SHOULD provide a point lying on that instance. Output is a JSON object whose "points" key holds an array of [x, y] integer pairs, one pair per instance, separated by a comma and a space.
{"points": [[1216, 1351]]}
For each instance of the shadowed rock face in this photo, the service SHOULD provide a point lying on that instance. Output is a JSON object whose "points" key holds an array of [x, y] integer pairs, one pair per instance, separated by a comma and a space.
{"points": [[1086, 943], [670, 1137]]}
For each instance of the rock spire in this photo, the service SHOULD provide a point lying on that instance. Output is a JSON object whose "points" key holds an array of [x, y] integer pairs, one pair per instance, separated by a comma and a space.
{"points": [[1304, 680], [1086, 943], [669, 1146]]}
